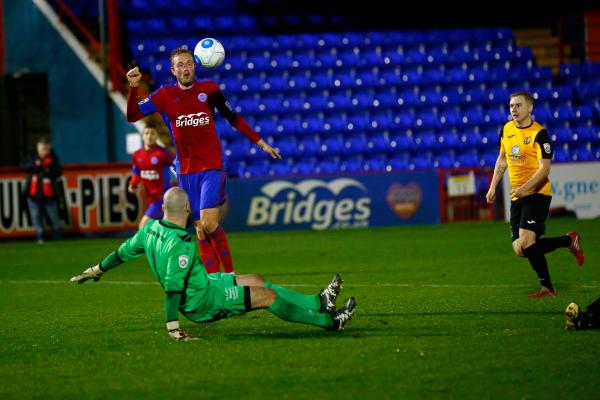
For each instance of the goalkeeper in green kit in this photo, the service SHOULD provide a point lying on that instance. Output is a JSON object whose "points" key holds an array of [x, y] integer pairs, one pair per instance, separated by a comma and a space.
{"points": [[202, 297]]}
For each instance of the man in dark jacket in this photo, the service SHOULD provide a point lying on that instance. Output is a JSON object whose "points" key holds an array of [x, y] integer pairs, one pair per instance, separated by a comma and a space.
{"points": [[43, 170]]}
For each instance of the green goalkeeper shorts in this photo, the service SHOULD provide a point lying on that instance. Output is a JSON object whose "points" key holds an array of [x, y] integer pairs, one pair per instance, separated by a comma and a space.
{"points": [[224, 299]]}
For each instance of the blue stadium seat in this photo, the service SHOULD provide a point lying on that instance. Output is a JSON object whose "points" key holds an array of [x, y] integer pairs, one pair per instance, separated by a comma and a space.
{"points": [[570, 71], [588, 90], [421, 161], [445, 159], [398, 162], [355, 144], [449, 140], [304, 167], [426, 141], [561, 154], [254, 170], [331, 146], [401, 142], [469, 158], [583, 153], [426, 120], [495, 116], [280, 168], [489, 158], [308, 147], [352, 165], [449, 118], [561, 135], [377, 163], [328, 166], [377, 144]]}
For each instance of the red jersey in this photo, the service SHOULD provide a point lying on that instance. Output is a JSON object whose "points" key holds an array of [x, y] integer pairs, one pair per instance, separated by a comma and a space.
{"points": [[151, 167], [189, 115]]}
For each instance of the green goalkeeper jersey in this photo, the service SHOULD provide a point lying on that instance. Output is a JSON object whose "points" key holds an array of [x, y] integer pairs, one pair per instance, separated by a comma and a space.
{"points": [[173, 259]]}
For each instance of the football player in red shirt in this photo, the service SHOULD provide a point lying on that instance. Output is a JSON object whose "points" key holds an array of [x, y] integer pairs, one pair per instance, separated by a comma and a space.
{"points": [[188, 109], [151, 166]]}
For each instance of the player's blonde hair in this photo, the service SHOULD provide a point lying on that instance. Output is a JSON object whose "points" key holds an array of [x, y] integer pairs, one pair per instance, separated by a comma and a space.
{"points": [[528, 96], [178, 51]]}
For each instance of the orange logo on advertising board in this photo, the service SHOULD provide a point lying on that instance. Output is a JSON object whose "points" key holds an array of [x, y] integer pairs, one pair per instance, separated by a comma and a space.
{"points": [[404, 200]]}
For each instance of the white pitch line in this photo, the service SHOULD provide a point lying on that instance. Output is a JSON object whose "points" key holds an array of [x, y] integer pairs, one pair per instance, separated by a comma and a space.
{"points": [[398, 285]]}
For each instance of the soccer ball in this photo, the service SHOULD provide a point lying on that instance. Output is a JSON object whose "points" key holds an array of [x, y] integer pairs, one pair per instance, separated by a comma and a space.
{"points": [[209, 53]]}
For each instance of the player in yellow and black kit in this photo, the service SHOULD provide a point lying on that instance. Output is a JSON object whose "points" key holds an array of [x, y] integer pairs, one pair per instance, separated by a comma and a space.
{"points": [[525, 149]]}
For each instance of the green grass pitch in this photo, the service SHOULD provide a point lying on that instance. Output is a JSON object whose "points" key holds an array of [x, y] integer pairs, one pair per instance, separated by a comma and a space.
{"points": [[442, 313]]}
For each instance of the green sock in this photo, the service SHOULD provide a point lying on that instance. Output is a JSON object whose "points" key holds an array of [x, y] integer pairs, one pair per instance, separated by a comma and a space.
{"points": [[311, 302], [288, 311]]}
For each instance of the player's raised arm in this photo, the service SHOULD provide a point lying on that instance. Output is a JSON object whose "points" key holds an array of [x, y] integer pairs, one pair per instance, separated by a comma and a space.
{"points": [[135, 110]]}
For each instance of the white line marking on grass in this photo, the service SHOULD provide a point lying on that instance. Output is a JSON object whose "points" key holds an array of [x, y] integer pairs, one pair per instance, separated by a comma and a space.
{"points": [[399, 285]]}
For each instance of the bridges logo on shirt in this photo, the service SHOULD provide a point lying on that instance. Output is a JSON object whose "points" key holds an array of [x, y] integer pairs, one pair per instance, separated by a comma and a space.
{"points": [[183, 261], [199, 119]]}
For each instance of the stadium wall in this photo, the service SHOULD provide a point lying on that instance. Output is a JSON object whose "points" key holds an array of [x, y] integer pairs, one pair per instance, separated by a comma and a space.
{"points": [[78, 120], [333, 202], [93, 199]]}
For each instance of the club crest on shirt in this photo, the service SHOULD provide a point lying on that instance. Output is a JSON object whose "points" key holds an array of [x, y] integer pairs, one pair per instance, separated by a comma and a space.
{"points": [[515, 150], [547, 147], [202, 97], [527, 139], [183, 261], [154, 160]]}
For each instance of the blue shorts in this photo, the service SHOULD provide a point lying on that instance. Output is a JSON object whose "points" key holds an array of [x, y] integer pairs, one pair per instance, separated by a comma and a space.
{"points": [[205, 189], [154, 210]]}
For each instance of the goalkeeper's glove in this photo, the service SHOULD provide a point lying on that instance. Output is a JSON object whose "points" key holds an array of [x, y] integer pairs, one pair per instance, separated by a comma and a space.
{"points": [[175, 332], [94, 273]]}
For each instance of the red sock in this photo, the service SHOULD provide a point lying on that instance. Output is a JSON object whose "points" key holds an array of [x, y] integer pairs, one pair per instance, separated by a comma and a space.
{"points": [[207, 255], [218, 240]]}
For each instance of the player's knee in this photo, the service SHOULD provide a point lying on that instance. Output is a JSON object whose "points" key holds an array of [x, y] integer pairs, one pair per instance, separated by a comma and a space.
{"points": [[209, 226], [517, 248]]}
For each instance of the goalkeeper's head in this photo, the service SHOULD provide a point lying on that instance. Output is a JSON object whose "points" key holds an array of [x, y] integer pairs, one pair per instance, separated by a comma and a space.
{"points": [[176, 206]]}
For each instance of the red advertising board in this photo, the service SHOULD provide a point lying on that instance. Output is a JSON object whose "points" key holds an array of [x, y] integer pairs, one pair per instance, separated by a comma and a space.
{"points": [[93, 198]]}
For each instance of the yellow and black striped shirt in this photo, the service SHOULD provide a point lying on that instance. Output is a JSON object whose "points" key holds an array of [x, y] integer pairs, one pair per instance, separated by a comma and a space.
{"points": [[523, 148]]}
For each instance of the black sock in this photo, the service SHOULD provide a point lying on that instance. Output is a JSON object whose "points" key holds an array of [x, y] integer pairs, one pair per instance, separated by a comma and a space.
{"points": [[594, 307], [539, 264], [547, 245]]}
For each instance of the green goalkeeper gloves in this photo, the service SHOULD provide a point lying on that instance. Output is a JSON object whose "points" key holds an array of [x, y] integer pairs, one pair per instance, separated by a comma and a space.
{"points": [[94, 273]]}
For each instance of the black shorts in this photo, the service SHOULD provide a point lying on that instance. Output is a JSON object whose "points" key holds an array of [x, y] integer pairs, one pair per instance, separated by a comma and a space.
{"points": [[529, 212]]}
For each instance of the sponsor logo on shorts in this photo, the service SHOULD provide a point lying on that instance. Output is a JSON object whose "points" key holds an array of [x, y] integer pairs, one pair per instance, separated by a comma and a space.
{"points": [[231, 293]]}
